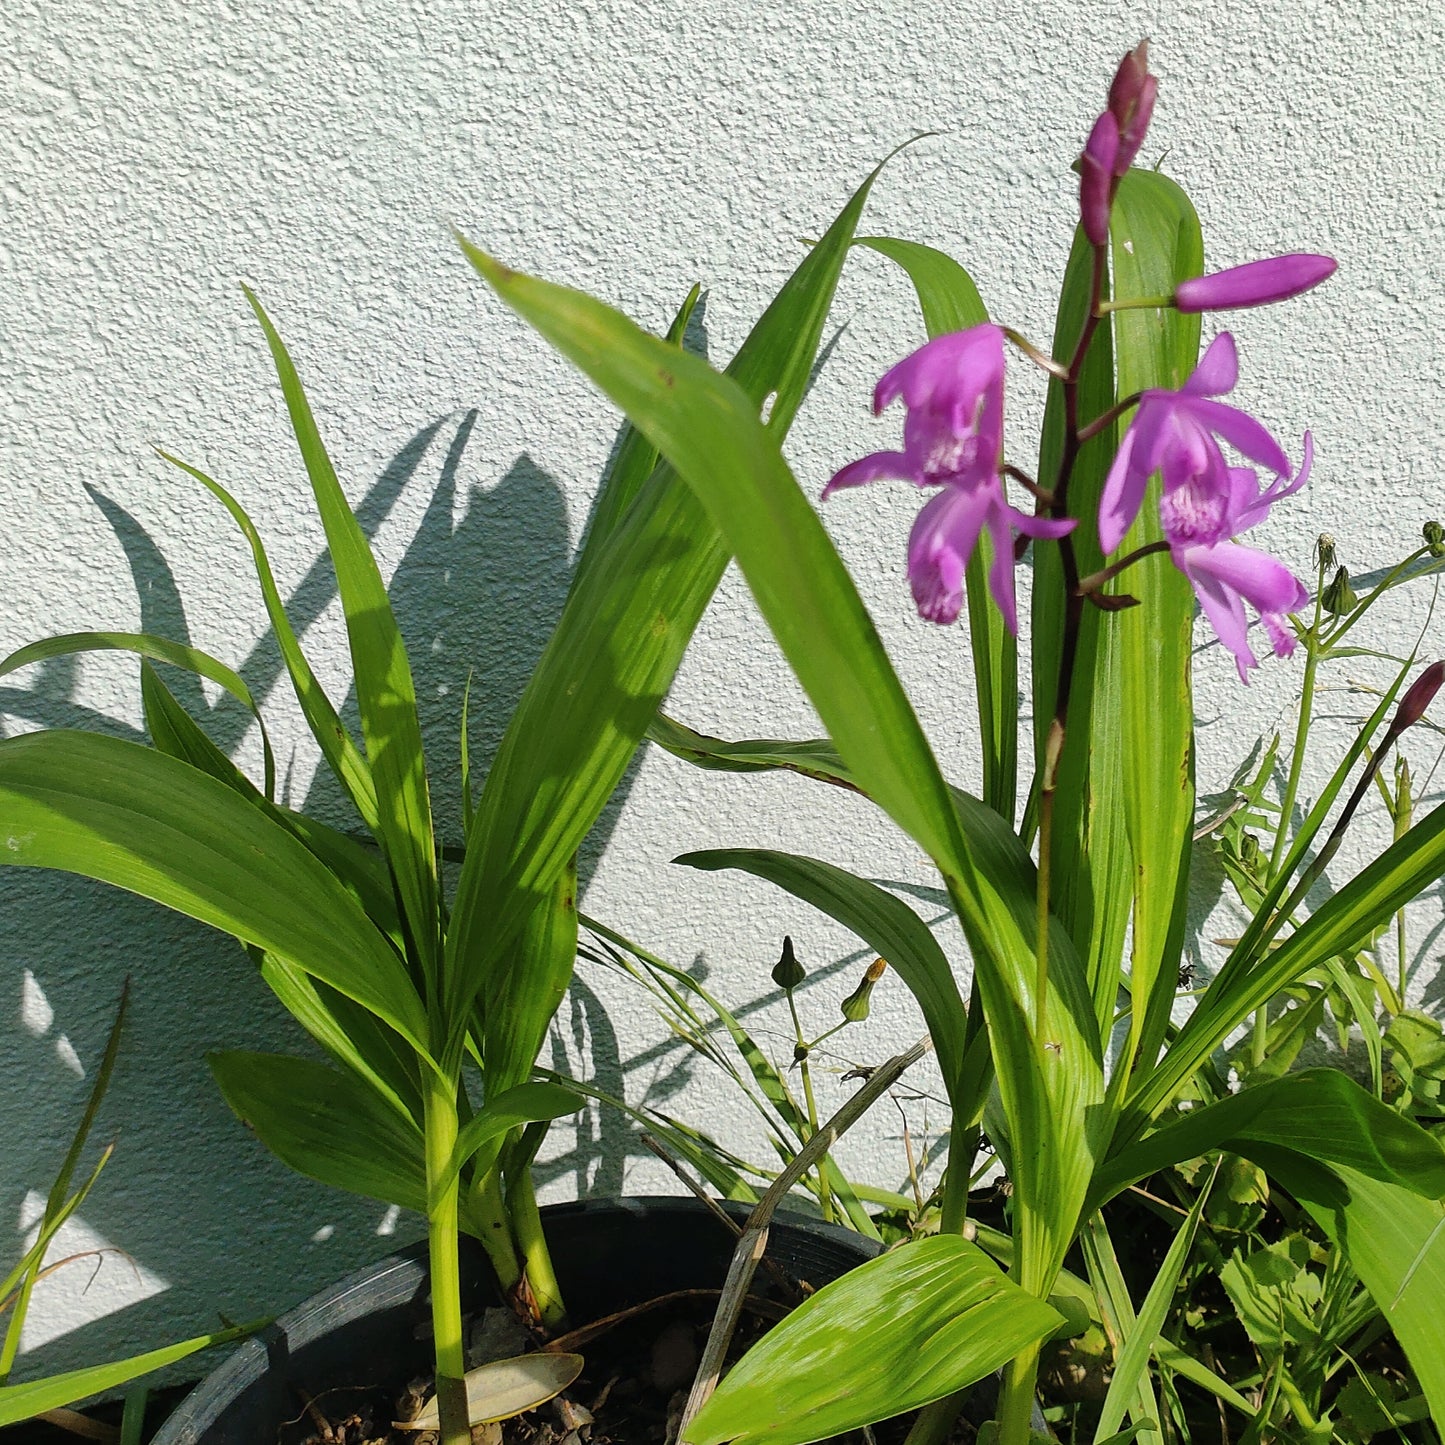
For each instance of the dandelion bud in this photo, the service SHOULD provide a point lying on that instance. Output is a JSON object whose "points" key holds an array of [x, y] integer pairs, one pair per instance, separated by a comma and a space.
{"points": [[1434, 535], [1249, 850], [1338, 596], [787, 971], [1256, 283], [1096, 178], [856, 1005], [1325, 551], [1418, 698]]}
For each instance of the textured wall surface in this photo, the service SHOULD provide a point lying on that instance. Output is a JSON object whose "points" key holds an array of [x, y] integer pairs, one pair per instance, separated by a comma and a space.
{"points": [[155, 154]]}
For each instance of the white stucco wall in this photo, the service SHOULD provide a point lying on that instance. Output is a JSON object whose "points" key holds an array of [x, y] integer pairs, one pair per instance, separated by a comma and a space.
{"points": [[155, 154]]}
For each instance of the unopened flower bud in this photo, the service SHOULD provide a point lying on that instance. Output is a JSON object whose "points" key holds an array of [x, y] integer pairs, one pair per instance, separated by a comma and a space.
{"points": [[856, 1005], [1325, 551], [1434, 535], [1096, 178], [787, 971], [1338, 596], [800, 1053], [1249, 849], [1256, 283], [1418, 698], [1131, 103]]}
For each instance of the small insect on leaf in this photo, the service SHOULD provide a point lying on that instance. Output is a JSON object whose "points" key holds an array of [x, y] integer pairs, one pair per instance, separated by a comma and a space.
{"points": [[504, 1388]]}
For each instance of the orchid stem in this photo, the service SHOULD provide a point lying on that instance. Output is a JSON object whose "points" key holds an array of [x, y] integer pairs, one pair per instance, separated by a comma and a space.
{"points": [[1039, 358], [1108, 418], [1028, 484], [1095, 580], [1133, 303]]}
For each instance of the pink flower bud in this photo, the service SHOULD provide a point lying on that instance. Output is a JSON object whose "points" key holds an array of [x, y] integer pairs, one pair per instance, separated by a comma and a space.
{"points": [[1256, 283], [1131, 131], [1096, 178], [1128, 82], [1420, 695]]}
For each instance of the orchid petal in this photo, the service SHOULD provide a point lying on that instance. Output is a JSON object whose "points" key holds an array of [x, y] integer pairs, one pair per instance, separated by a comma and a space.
{"points": [[1243, 433], [1218, 369], [1123, 493], [1001, 571], [944, 535], [1222, 606], [1044, 527], [957, 366], [893, 466], [1263, 581]]}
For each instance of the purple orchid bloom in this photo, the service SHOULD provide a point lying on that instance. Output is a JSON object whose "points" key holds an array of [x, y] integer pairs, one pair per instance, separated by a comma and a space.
{"points": [[1200, 523], [1173, 433], [1256, 283], [952, 438]]}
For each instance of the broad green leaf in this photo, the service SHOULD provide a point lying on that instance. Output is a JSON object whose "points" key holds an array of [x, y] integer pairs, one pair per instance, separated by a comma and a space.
{"points": [[617, 647], [1395, 1241], [530, 1103], [1321, 1114], [176, 733], [707, 428], [159, 649], [883, 921], [949, 301], [1149, 716], [909, 1327], [326, 1124], [385, 693], [35, 1397], [127, 815], [525, 988], [352, 1035], [337, 746]]}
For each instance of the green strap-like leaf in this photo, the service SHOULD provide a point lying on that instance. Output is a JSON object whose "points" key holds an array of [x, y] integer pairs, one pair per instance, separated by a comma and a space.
{"points": [[909, 1327], [1149, 713], [1319, 1113], [707, 427], [949, 301], [35, 1397], [385, 693], [337, 746], [326, 1124], [883, 921], [530, 1103], [616, 648], [159, 649], [127, 815]]}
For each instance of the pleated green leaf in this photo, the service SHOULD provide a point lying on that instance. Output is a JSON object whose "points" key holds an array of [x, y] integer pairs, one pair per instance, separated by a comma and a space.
{"points": [[159, 649], [326, 1124], [616, 649], [1155, 243], [911, 1326], [1321, 1114], [127, 815], [35, 1397], [887, 924], [385, 693], [949, 301], [707, 427]]}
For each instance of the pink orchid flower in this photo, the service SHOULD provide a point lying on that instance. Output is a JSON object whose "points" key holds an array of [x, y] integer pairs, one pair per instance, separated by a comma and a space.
{"points": [[1173, 433], [953, 439], [1200, 523]]}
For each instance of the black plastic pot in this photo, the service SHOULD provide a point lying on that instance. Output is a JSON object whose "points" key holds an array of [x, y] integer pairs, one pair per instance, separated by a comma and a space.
{"points": [[608, 1254]]}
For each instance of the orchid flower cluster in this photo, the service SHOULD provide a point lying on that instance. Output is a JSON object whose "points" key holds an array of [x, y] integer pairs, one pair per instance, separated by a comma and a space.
{"points": [[953, 390]]}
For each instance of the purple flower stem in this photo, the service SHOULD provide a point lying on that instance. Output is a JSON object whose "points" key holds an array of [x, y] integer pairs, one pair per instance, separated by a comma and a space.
{"points": [[1073, 616], [1028, 484], [1108, 418], [1090, 585]]}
